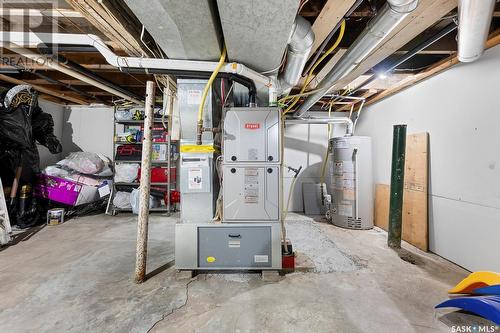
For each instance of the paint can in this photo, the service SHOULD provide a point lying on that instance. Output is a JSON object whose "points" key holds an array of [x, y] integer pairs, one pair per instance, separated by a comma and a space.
{"points": [[55, 216]]}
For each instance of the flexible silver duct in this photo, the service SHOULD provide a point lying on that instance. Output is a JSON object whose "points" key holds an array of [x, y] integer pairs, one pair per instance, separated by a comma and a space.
{"points": [[474, 19], [299, 47], [388, 18], [336, 120]]}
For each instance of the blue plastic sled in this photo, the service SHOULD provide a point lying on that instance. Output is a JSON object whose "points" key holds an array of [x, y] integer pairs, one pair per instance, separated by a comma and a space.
{"points": [[490, 290], [485, 306]]}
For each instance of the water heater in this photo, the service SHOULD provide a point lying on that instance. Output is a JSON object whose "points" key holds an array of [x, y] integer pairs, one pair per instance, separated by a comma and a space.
{"points": [[351, 186]]}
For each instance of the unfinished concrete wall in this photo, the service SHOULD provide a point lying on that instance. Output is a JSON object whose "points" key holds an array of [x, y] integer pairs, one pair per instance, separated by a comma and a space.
{"points": [[57, 112], [88, 128], [460, 110]]}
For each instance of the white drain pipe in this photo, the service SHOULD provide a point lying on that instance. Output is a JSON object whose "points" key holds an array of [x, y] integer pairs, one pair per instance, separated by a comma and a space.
{"points": [[474, 19], [336, 120], [382, 25], [31, 39]]}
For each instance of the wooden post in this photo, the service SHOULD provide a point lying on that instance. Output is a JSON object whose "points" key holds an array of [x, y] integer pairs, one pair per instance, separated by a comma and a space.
{"points": [[142, 222]]}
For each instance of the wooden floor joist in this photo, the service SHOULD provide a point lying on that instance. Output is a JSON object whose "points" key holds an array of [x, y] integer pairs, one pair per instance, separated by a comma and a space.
{"points": [[73, 98], [425, 15], [331, 14], [439, 67]]}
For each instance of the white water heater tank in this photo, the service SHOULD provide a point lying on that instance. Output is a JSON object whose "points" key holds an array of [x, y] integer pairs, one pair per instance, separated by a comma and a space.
{"points": [[351, 186]]}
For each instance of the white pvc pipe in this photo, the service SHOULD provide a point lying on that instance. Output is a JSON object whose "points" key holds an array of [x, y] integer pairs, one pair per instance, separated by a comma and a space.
{"points": [[335, 120], [33, 39], [474, 19]]}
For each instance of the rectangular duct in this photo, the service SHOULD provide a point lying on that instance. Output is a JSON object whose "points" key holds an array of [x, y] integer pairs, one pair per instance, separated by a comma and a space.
{"points": [[256, 32], [187, 29]]}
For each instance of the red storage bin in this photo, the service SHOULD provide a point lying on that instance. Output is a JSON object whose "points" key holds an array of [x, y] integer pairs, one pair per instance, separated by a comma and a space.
{"points": [[161, 175]]}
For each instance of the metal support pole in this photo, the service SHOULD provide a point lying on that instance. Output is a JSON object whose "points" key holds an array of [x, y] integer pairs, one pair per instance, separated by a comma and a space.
{"points": [[142, 222], [397, 186]]}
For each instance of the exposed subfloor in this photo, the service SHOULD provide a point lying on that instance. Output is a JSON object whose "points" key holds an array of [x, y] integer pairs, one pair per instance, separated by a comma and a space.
{"points": [[77, 277]]}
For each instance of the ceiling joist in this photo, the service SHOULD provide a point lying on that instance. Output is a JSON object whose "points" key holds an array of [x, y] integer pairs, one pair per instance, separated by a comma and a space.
{"points": [[73, 98], [439, 67], [427, 13], [331, 14]]}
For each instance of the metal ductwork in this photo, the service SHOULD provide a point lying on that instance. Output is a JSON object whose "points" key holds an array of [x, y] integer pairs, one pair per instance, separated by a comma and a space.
{"points": [[299, 47], [382, 25], [474, 18]]}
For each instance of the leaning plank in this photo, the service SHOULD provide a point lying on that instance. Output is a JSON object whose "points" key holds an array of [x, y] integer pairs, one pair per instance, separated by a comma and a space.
{"points": [[382, 192], [415, 213]]}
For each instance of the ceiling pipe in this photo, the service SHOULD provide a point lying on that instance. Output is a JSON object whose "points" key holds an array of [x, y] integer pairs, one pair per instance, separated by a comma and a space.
{"points": [[49, 62], [34, 39], [68, 86], [393, 12], [474, 18], [82, 70], [323, 45], [299, 46], [408, 55], [336, 120]]}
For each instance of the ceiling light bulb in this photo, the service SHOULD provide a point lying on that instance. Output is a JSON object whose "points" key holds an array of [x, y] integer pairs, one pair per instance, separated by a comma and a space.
{"points": [[382, 75]]}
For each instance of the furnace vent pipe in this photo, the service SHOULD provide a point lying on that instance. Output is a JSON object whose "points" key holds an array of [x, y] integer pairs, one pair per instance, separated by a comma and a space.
{"points": [[337, 120], [474, 19], [299, 46], [388, 18]]}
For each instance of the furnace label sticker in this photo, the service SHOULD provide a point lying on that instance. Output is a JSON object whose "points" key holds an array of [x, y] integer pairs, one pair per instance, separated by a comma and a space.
{"points": [[193, 97], [195, 181], [253, 154], [260, 258], [251, 186]]}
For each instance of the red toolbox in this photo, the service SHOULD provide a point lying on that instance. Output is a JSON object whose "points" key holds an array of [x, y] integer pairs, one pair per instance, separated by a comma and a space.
{"points": [[161, 175]]}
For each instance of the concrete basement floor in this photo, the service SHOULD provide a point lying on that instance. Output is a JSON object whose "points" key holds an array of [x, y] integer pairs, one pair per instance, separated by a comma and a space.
{"points": [[78, 277]]}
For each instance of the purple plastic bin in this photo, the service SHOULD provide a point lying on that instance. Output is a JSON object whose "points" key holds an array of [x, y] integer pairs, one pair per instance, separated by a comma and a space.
{"points": [[58, 189]]}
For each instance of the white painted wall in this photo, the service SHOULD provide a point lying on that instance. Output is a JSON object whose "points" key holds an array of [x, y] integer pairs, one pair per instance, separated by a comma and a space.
{"points": [[305, 145], [88, 128], [460, 110], [57, 112]]}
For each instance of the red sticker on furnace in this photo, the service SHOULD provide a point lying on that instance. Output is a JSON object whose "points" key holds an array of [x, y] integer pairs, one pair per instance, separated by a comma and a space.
{"points": [[252, 126]]}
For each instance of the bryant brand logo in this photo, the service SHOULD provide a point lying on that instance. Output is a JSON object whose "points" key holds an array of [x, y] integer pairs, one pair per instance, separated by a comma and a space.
{"points": [[252, 126]]}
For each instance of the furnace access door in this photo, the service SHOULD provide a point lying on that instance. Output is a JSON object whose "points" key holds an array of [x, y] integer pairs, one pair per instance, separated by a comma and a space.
{"points": [[252, 135]]}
